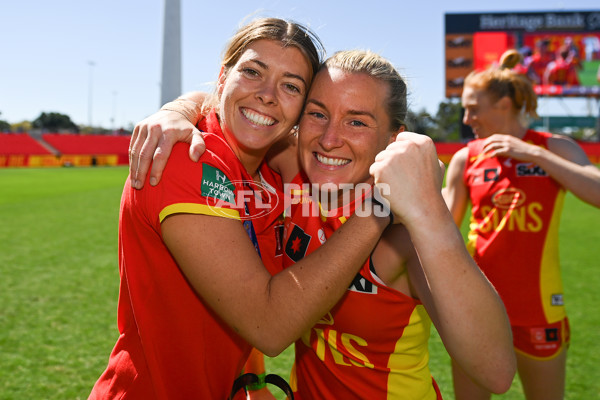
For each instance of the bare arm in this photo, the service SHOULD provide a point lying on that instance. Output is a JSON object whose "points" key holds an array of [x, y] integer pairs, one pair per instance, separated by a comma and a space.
{"points": [[153, 138], [465, 308], [270, 312], [455, 192], [462, 303], [565, 161], [568, 164]]}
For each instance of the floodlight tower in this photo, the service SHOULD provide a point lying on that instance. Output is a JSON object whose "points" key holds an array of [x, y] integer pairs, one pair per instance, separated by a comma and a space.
{"points": [[170, 84]]}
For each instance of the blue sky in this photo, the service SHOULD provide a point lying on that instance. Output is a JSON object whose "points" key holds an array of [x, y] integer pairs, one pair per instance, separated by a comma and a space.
{"points": [[47, 47]]}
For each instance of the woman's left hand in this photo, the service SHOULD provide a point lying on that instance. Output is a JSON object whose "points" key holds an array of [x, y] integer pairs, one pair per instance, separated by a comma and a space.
{"points": [[409, 177]]}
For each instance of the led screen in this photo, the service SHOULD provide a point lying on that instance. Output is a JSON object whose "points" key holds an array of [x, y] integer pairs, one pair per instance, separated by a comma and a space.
{"points": [[561, 50]]}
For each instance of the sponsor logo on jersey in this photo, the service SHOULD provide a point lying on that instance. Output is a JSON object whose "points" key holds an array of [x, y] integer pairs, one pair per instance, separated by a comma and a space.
{"points": [[544, 335], [557, 300], [362, 285], [491, 174], [485, 175], [216, 185], [256, 198], [297, 244], [551, 335], [529, 169]]}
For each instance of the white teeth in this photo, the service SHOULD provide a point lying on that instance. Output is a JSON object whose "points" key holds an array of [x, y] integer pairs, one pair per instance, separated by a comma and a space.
{"points": [[257, 119], [331, 161]]}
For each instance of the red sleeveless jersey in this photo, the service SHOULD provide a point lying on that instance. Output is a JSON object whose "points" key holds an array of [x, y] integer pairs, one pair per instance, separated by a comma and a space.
{"points": [[373, 343], [171, 345], [562, 72], [513, 235]]}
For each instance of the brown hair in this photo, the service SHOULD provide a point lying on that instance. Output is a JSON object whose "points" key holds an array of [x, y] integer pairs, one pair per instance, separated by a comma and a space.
{"points": [[501, 81], [372, 64], [287, 32]]}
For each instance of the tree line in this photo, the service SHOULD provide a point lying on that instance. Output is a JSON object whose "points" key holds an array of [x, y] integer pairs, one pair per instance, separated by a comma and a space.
{"points": [[444, 126], [51, 122]]}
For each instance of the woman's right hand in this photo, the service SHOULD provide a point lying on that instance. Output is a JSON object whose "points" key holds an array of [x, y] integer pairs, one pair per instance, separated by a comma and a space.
{"points": [[409, 177], [152, 142]]}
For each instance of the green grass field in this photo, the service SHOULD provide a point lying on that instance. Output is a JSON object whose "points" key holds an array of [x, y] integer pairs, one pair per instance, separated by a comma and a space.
{"points": [[59, 286], [589, 75]]}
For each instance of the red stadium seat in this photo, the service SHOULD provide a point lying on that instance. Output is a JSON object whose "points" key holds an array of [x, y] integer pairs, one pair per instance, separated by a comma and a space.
{"points": [[20, 143]]}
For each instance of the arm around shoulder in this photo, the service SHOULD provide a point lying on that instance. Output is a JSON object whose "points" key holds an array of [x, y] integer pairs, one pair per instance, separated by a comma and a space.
{"points": [[154, 137], [269, 312]]}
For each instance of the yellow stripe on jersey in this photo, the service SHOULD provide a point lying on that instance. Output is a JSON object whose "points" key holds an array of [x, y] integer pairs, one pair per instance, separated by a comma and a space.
{"points": [[409, 376], [194, 208], [472, 236], [550, 281]]}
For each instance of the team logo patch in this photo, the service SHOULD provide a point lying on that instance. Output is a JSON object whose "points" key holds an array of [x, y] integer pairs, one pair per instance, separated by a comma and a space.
{"points": [[216, 185], [529, 169], [508, 198], [297, 244]]}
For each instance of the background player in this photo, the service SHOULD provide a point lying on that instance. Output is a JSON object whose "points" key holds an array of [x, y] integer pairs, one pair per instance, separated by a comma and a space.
{"points": [[515, 179]]}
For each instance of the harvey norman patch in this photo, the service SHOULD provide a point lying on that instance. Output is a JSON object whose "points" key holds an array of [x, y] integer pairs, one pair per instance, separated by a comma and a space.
{"points": [[215, 184]]}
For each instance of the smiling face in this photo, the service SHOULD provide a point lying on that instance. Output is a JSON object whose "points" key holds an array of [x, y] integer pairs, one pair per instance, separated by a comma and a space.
{"points": [[344, 125], [482, 114], [261, 97]]}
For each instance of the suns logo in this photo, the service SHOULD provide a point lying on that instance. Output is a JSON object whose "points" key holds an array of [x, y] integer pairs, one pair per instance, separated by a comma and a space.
{"points": [[509, 198]]}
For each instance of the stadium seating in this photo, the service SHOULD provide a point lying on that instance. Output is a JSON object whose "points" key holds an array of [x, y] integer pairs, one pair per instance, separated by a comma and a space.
{"points": [[87, 144], [20, 143]]}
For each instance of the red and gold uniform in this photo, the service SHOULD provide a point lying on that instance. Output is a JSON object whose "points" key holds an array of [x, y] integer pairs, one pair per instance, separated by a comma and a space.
{"points": [[513, 237], [539, 62], [562, 72], [373, 343], [171, 344]]}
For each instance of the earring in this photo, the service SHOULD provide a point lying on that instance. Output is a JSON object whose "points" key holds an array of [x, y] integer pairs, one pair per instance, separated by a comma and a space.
{"points": [[294, 131]]}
